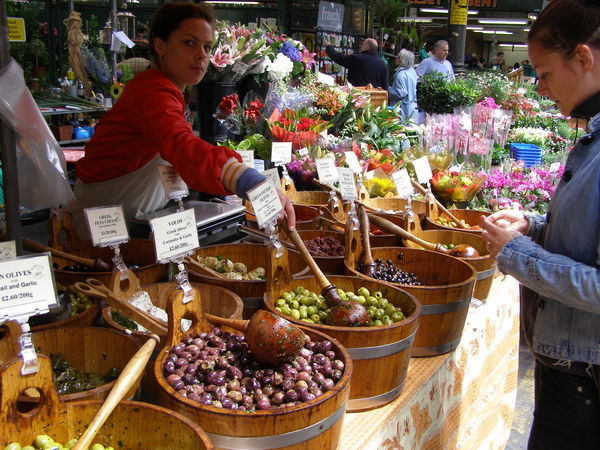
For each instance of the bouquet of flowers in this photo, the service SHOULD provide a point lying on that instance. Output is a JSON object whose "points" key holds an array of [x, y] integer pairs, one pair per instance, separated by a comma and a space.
{"points": [[458, 187], [286, 57], [298, 127], [240, 120]]}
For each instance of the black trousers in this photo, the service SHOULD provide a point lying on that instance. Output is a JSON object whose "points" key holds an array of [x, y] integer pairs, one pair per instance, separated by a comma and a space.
{"points": [[567, 411]]}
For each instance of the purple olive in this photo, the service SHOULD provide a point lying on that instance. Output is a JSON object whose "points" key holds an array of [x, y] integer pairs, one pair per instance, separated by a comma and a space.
{"points": [[268, 390], [236, 396], [182, 392], [207, 365], [199, 342], [206, 399], [202, 355], [181, 362], [169, 367], [252, 384], [330, 354], [172, 357], [291, 374], [277, 378], [315, 391], [311, 345], [175, 382], [305, 353], [291, 395], [336, 374], [308, 369], [210, 388], [220, 391], [307, 396], [302, 361], [325, 346], [227, 403], [278, 398], [188, 340], [243, 389], [178, 347], [234, 372], [319, 378], [217, 331], [327, 384], [194, 397], [320, 359], [303, 376], [327, 371], [337, 365], [263, 403], [191, 369], [234, 385], [189, 379], [301, 384], [288, 384]]}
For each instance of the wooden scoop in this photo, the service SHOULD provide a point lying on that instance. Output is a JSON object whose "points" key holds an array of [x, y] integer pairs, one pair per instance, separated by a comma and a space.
{"points": [[369, 267], [95, 288], [95, 264], [442, 208], [126, 380], [343, 313], [460, 250], [272, 339]]}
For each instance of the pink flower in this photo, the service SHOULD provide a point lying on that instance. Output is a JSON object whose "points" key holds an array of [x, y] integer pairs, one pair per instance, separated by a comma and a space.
{"points": [[308, 58], [221, 58]]}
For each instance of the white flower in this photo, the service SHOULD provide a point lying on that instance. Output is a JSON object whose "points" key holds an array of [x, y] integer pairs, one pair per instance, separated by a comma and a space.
{"points": [[280, 67]]}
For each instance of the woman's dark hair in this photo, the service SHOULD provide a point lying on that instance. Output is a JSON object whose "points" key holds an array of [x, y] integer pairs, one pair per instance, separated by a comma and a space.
{"points": [[565, 24], [170, 15]]}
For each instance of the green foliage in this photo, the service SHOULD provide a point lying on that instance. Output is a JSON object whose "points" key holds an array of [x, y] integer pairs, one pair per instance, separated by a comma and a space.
{"points": [[489, 84], [436, 95], [380, 127]]}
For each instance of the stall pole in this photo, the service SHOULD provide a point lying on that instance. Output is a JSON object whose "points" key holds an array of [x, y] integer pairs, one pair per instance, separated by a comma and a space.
{"points": [[113, 12], [8, 152]]}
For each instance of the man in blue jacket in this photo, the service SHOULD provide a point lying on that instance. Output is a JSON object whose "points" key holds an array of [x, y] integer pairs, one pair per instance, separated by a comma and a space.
{"points": [[365, 67]]}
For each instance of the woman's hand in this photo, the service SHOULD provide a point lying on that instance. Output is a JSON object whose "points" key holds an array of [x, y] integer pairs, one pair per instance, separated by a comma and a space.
{"points": [[499, 230], [510, 218], [288, 210]]}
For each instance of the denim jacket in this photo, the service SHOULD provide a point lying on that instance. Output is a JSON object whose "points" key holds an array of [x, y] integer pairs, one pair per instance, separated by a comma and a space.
{"points": [[558, 263]]}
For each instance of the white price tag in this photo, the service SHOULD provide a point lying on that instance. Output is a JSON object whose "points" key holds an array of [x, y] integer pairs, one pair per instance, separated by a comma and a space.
{"points": [[364, 146], [324, 133], [273, 175], [247, 157], [325, 79], [403, 184], [326, 170], [281, 153], [347, 184], [265, 202], [554, 167], [8, 249], [386, 36], [175, 235], [26, 286], [174, 186], [352, 161], [303, 151], [259, 165], [423, 169], [107, 225]]}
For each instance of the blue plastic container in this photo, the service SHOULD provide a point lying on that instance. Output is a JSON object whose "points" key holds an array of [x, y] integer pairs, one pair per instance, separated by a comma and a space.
{"points": [[530, 154]]}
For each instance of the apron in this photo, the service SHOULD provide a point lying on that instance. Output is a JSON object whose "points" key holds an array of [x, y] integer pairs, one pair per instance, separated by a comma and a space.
{"points": [[140, 192]]}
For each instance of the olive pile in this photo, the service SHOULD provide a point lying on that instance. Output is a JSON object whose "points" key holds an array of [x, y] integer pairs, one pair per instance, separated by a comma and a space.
{"points": [[69, 380], [218, 369], [388, 271], [302, 304], [450, 223], [45, 442], [79, 301]]}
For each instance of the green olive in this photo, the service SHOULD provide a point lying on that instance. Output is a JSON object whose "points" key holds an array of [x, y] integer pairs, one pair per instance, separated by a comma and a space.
{"points": [[308, 301], [42, 440], [390, 309], [315, 318], [299, 289], [294, 304], [98, 447], [383, 302], [286, 310], [295, 314], [397, 316], [364, 292], [377, 323], [13, 446], [71, 443], [377, 294], [312, 310], [287, 296], [280, 302]]}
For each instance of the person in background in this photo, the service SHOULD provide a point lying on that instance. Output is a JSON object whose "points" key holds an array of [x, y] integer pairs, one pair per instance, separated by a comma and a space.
{"points": [[364, 68], [147, 127], [141, 47], [404, 86], [556, 257], [516, 66], [527, 69], [437, 62], [423, 53], [498, 62]]}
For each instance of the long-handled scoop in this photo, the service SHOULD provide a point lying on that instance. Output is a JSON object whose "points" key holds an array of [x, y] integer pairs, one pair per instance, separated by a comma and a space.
{"points": [[94, 264], [460, 250], [343, 313], [128, 377], [369, 265], [441, 207], [272, 339]]}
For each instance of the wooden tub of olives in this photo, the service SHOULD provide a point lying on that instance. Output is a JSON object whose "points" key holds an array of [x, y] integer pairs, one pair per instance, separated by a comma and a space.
{"points": [[380, 354], [437, 220], [313, 424], [132, 425], [445, 290], [247, 258]]}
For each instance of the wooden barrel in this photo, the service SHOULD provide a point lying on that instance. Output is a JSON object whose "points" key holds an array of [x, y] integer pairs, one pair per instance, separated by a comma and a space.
{"points": [[215, 300], [132, 425], [380, 355], [253, 255], [470, 217], [331, 265], [304, 217], [396, 204], [445, 295], [484, 264], [136, 252], [88, 349], [83, 319], [311, 425]]}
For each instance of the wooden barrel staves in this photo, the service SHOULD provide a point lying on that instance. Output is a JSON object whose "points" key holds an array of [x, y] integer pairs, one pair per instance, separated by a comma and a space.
{"points": [[444, 296], [484, 264], [310, 425], [131, 425], [380, 355], [253, 256], [470, 217]]}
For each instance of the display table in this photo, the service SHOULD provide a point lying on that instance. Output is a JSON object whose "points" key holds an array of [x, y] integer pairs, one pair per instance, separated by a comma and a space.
{"points": [[464, 399]]}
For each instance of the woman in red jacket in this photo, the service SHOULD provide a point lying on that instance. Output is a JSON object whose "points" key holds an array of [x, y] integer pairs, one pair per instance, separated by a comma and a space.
{"points": [[147, 126]]}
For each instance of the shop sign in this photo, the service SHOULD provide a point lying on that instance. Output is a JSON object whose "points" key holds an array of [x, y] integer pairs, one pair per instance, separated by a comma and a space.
{"points": [[265, 202], [458, 12], [331, 16], [175, 235], [403, 184], [106, 225], [16, 29], [487, 5], [347, 184]]}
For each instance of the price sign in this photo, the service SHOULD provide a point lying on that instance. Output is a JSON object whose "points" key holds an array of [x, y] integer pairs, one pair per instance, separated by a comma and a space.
{"points": [[347, 184], [8, 250], [554, 167], [325, 79], [303, 151], [364, 146], [265, 202], [281, 153], [352, 161], [247, 157], [326, 170], [174, 186], [107, 225], [26, 286], [259, 165], [423, 169], [175, 235], [273, 175], [403, 184]]}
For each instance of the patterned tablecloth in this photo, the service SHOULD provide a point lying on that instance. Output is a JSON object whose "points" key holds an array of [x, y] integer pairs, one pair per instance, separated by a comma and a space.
{"points": [[462, 400]]}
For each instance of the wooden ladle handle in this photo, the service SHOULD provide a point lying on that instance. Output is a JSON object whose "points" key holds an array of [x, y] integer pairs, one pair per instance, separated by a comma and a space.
{"points": [[395, 229], [364, 231], [237, 324], [422, 190], [126, 380], [315, 269]]}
